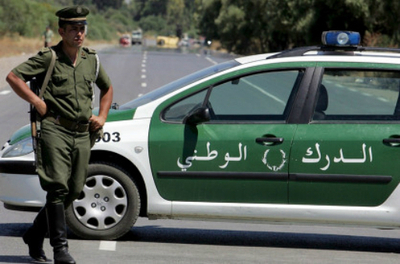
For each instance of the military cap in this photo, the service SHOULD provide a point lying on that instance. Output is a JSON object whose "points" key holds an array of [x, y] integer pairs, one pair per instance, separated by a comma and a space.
{"points": [[73, 15]]}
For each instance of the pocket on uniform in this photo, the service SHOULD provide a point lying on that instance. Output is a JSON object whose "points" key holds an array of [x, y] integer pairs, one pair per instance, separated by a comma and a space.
{"points": [[89, 79], [59, 84]]}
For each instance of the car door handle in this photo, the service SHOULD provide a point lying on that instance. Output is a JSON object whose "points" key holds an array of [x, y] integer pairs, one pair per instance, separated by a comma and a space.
{"points": [[394, 142], [269, 140]]}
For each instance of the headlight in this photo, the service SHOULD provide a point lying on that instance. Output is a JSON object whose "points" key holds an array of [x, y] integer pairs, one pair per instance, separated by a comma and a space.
{"points": [[20, 148]]}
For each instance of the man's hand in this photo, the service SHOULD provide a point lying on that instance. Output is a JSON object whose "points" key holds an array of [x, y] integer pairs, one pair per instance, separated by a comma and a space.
{"points": [[41, 107], [96, 122]]}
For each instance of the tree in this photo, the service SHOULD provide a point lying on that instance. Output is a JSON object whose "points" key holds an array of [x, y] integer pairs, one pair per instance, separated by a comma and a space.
{"points": [[254, 26], [175, 10], [104, 4]]}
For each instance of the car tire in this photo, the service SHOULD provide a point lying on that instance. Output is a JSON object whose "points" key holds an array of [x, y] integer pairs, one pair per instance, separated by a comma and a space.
{"points": [[108, 206], [161, 42]]}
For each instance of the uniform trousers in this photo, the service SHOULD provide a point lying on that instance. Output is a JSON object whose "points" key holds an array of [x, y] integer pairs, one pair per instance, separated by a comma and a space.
{"points": [[62, 162]]}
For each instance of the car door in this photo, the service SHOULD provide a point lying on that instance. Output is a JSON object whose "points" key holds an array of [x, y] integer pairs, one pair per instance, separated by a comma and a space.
{"points": [[239, 152], [348, 154]]}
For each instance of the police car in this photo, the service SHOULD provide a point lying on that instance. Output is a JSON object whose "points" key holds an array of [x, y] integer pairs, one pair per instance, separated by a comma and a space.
{"points": [[308, 135]]}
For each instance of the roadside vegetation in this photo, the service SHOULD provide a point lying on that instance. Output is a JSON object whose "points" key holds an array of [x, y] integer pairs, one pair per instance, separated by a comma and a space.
{"points": [[239, 26]]}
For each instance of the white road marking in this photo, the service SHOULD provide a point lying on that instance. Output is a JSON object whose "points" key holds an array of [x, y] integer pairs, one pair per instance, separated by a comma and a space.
{"points": [[211, 60], [5, 92], [265, 92], [144, 84], [108, 245]]}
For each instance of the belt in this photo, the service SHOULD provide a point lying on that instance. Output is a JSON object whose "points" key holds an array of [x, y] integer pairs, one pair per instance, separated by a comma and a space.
{"points": [[78, 126]]}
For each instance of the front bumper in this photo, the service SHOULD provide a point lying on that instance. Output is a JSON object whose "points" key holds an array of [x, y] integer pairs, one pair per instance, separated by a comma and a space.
{"points": [[21, 190], [19, 184], [17, 166]]}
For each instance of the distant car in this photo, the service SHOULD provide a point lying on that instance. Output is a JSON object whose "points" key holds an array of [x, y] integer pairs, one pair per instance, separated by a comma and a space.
{"points": [[309, 135], [167, 41], [124, 40], [137, 37]]}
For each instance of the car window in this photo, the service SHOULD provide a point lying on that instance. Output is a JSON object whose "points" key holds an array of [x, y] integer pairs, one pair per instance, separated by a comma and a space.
{"points": [[175, 85], [259, 97], [358, 95], [262, 96], [178, 111]]}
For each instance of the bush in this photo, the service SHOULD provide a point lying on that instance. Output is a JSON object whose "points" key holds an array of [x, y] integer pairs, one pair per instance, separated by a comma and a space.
{"points": [[152, 23]]}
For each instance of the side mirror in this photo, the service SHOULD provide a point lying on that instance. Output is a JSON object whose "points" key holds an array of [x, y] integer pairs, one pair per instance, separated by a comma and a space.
{"points": [[114, 106], [197, 116]]}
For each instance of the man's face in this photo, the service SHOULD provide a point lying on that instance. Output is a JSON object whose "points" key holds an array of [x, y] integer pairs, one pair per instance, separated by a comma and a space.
{"points": [[73, 35]]}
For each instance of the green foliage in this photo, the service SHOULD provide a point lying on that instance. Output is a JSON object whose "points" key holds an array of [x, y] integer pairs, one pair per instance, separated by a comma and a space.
{"points": [[37, 14], [152, 23], [35, 17], [241, 26], [105, 4], [99, 28], [254, 26]]}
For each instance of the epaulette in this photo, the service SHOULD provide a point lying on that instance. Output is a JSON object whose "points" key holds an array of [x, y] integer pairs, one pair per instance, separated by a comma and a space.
{"points": [[88, 50], [44, 50]]}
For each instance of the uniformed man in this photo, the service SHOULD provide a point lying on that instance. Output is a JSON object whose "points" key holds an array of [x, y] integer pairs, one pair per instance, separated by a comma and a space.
{"points": [[63, 150], [47, 35]]}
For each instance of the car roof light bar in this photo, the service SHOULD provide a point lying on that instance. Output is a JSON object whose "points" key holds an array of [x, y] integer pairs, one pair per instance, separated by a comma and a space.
{"points": [[334, 41], [340, 38], [296, 52]]}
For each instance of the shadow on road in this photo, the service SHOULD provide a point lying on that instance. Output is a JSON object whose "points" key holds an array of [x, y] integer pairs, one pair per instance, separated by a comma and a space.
{"points": [[17, 259], [263, 239], [156, 234]]}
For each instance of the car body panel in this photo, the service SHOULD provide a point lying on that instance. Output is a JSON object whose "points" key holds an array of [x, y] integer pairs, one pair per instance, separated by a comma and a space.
{"points": [[351, 168], [212, 163], [385, 215]]}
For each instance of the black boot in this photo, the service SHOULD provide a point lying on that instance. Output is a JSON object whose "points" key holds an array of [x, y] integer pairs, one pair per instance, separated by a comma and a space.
{"points": [[34, 236], [58, 233]]}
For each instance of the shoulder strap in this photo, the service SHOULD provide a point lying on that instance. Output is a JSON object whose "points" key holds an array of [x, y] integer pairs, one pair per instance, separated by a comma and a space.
{"points": [[48, 73], [97, 74], [97, 65]]}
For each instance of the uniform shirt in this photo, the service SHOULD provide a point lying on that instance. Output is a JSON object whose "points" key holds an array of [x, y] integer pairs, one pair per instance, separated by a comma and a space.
{"points": [[69, 91]]}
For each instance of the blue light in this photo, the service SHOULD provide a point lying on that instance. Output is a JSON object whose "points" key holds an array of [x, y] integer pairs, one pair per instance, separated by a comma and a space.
{"points": [[341, 38]]}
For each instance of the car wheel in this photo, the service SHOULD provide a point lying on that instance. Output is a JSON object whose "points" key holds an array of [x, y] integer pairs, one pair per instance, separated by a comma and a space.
{"points": [[108, 205], [161, 42]]}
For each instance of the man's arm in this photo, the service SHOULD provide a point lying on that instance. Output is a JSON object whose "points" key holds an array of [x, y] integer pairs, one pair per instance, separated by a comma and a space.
{"points": [[106, 97], [23, 91]]}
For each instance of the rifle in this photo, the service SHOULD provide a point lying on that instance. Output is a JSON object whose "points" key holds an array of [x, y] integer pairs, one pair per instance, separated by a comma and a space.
{"points": [[34, 115]]}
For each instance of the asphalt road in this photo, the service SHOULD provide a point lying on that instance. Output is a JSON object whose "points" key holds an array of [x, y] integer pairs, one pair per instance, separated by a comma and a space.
{"points": [[134, 71]]}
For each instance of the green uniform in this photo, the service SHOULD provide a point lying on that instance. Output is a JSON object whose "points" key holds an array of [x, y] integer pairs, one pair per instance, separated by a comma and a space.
{"points": [[63, 152]]}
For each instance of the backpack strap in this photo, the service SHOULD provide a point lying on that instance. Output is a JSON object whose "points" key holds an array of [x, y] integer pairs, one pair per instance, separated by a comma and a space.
{"points": [[48, 73]]}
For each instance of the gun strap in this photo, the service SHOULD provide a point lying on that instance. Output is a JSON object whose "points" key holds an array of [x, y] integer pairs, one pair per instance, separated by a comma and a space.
{"points": [[48, 73], [97, 74]]}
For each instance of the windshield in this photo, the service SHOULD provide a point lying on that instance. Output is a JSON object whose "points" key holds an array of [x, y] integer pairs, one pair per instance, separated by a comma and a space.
{"points": [[175, 85]]}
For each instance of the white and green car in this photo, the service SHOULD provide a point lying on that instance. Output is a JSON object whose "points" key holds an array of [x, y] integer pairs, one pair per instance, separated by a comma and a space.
{"points": [[308, 135]]}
